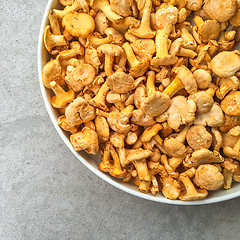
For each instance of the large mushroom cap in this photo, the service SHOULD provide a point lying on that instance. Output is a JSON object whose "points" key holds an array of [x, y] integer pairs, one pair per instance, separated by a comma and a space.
{"points": [[78, 24], [226, 64], [220, 10], [208, 177], [198, 137], [231, 104], [209, 30]]}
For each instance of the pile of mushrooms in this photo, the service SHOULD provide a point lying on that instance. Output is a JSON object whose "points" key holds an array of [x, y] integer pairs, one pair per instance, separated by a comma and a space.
{"points": [[157, 96]]}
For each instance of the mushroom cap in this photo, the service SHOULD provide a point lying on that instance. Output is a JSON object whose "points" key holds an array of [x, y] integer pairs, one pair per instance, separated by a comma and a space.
{"points": [[110, 49], [208, 177], [139, 69], [230, 152], [87, 140], [52, 71], [231, 104], [171, 188], [119, 122], [198, 137], [78, 24], [187, 78], [142, 119], [137, 154], [213, 118], [181, 111], [226, 64], [66, 2], [235, 19], [230, 122], [121, 7], [164, 61], [201, 194], [166, 15], [209, 30], [156, 104], [79, 111], [120, 82], [194, 5], [203, 78], [203, 101], [202, 156], [220, 10], [101, 22], [174, 147], [144, 48]]}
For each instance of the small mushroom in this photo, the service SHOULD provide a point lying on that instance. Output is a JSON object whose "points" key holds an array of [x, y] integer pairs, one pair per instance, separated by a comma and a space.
{"points": [[194, 5], [162, 56], [217, 139], [169, 169], [122, 7], [61, 97], [79, 111], [175, 146], [220, 10], [51, 41], [101, 22], [117, 37], [91, 57], [144, 31], [198, 137], [227, 85], [233, 152], [156, 102], [181, 111], [66, 2], [105, 164], [144, 48], [102, 128], [166, 15], [99, 100], [204, 100], [95, 40], [53, 71], [104, 6], [207, 30], [121, 82], [202, 156], [78, 24], [184, 79], [80, 76], [86, 139], [65, 125], [54, 23], [137, 68], [226, 64], [150, 132], [119, 121], [213, 118], [124, 25], [142, 119], [75, 49], [111, 51], [208, 177], [203, 78], [191, 192], [230, 122], [231, 104]]}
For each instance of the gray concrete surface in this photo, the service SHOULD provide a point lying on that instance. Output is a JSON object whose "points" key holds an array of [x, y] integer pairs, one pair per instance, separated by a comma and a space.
{"points": [[45, 192]]}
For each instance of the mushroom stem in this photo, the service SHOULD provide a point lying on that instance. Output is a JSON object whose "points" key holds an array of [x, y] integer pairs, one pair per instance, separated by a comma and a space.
{"points": [[198, 21], [182, 135], [55, 27], [142, 169], [151, 83], [130, 55], [108, 64], [191, 190], [128, 111], [174, 87], [210, 92], [59, 92], [158, 139], [145, 31], [162, 41], [99, 100]]}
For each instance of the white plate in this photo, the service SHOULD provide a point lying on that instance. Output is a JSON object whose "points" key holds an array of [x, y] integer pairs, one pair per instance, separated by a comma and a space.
{"points": [[90, 161]]}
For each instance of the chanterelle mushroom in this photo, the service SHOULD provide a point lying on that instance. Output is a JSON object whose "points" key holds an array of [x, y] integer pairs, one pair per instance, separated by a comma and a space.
{"points": [[78, 24], [208, 177], [226, 64], [86, 139], [220, 10], [181, 111], [231, 104], [198, 137], [120, 82], [121, 7], [213, 118]]}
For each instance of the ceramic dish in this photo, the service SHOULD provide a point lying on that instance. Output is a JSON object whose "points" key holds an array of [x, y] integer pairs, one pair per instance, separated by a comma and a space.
{"points": [[90, 161]]}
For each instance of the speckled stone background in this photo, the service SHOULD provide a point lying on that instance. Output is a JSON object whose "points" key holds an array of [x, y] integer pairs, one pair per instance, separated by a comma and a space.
{"points": [[45, 192]]}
